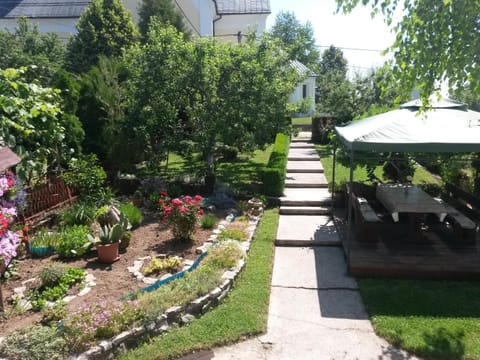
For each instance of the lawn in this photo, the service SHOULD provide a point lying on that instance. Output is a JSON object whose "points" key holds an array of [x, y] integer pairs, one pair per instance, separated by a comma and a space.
{"points": [[243, 313], [242, 174], [342, 173], [302, 121], [434, 319]]}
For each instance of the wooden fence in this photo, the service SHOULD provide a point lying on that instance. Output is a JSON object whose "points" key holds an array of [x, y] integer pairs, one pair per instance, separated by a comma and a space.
{"points": [[44, 198]]}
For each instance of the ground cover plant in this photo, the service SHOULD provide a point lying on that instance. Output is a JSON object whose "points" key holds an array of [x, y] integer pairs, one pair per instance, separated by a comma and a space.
{"points": [[434, 319], [243, 313]]}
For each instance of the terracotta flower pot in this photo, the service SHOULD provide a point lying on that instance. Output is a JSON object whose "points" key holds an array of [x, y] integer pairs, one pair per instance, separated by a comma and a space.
{"points": [[108, 253]]}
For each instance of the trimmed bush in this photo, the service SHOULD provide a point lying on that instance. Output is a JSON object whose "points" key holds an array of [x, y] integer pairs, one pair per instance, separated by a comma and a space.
{"points": [[273, 177]]}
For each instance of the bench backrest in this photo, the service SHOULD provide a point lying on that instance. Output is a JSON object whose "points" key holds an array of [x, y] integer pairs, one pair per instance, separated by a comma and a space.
{"points": [[463, 201]]}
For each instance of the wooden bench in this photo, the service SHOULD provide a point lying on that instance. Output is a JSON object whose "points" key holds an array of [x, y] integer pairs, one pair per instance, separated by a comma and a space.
{"points": [[365, 224], [461, 207]]}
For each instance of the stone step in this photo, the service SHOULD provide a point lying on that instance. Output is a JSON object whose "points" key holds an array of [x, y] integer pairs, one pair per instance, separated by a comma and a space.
{"points": [[305, 197], [302, 145], [304, 167], [303, 155], [305, 180], [305, 210], [306, 230], [303, 137]]}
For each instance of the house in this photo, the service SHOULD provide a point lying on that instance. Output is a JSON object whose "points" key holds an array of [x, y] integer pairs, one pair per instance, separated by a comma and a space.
{"points": [[305, 91], [226, 19]]}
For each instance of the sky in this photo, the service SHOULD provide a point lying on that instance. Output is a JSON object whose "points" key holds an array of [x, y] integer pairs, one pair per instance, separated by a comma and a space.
{"points": [[356, 30]]}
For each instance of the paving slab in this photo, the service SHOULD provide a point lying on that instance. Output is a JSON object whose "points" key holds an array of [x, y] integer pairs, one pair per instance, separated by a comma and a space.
{"points": [[302, 136], [316, 268], [302, 145], [305, 166], [305, 210], [306, 230], [303, 154], [314, 325], [306, 180], [305, 197]]}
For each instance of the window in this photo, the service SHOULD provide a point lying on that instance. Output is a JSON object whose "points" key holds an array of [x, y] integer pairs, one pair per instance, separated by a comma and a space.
{"points": [[304, 91]]}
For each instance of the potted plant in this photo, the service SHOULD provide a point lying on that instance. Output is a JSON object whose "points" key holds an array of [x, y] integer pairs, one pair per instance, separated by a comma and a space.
{"points": [[108, 242]]}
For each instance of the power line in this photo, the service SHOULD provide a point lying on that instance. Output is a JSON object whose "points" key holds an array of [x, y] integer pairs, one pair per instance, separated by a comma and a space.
{"points": [[186, 18], [350, 48]]}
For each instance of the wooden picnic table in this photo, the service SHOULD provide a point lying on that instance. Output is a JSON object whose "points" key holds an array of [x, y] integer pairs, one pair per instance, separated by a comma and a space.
{"points": [[402, 198]]}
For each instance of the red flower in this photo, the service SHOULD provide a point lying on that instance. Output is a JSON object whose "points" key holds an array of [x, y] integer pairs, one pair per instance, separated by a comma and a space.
{"points": [[163, 193], [177, 202], [198, 198]]}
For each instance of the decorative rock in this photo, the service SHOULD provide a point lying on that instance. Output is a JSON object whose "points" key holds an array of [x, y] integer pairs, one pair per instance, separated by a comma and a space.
{"points": [[214, 293], [173, 312], [29, 281], [105, 345], [188, 262], [150, 326], [25, 304], [231, 275], [122, 337], [187, 318], [69, 298], [19, 292], [149, 280], [84, 291], [166, 276]]}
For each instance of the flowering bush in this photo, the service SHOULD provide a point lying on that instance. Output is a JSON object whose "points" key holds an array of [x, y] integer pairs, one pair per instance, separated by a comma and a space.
{"points": [[10, 198], [99, 321], [182, 214]]}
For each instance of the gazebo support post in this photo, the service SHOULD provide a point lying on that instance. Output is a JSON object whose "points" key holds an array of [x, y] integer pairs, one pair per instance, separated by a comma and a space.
{"points": [[333, 173], [349, 213]]}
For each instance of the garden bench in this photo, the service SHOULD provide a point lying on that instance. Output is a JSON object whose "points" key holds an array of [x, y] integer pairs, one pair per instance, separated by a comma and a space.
{"points": [[461, 207]]}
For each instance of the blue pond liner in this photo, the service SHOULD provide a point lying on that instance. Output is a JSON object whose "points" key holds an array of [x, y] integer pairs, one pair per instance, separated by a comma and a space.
{"points": [[176, 276]]}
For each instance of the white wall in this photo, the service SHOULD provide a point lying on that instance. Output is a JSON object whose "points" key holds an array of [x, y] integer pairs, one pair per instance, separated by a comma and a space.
{"points": [[297, 95], [228, 26], [64, 27]]}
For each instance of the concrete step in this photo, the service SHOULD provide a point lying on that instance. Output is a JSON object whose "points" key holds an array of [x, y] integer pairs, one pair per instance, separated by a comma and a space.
{"points": [[304, 167], [305, 197], [303, 136], [306, 230], [305, 180], [305, 210], [301, 145], [303, 155]]}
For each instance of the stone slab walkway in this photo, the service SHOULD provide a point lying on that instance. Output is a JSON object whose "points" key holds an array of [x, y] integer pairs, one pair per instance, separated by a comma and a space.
{"points": [[306, 230], [304, 166]]}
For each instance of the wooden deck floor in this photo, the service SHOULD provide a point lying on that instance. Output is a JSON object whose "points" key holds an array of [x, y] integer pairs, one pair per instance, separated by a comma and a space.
{"points": [[437, 255]]}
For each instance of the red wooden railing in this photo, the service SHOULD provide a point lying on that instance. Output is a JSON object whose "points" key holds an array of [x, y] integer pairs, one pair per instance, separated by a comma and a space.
{"points": [[45, 198]]}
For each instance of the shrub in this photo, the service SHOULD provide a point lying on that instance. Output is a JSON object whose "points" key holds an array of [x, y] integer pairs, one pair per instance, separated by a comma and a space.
{"points": [[156, 265], [223, 256], [182, 215], [133, 214], [73, 241], [232, 234], [99, 321], [208, 221], [273, 176], [51, 274], [88, 177], [36, 342], [81, 213]]}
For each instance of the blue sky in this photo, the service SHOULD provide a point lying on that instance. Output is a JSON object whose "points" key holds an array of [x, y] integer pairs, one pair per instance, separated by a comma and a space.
{"points": [[356, 30]]}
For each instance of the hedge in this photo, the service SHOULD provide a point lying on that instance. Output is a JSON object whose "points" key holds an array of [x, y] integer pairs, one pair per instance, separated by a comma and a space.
{"points": [[273, 177]]}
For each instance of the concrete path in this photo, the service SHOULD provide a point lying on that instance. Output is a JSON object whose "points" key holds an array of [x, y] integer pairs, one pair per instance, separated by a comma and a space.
{"points": [[315, 311]]}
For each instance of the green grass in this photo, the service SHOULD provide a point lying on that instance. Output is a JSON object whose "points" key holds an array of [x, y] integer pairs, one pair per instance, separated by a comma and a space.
{"points": [[342, 173], [434, 319], [241, 175], [243, 313], [302, 121]]}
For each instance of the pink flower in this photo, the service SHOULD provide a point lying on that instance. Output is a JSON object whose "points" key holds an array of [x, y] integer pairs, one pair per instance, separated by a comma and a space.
{"points": [[177, 202], [198, 198]]}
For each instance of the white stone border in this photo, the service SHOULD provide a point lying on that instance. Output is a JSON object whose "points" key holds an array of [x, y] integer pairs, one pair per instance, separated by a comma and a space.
{"points": [[176, 315]]}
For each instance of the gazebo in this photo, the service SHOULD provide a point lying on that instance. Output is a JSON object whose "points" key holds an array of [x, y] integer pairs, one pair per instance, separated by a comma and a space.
{"points": [[446, 127]]}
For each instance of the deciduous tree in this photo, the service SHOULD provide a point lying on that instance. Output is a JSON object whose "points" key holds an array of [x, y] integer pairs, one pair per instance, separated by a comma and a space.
{"points": [[435, 41], [165, 11], [297, 38]]}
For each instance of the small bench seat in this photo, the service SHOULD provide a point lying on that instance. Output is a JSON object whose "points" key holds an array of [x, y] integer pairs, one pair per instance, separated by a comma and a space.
{"points": [[463, 227], [368, 214]]}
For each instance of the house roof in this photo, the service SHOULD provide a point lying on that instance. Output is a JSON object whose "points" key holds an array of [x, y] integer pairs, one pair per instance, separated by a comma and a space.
{"points": [[7, 158], [233, 7], [301, 68], [42, 8]]}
